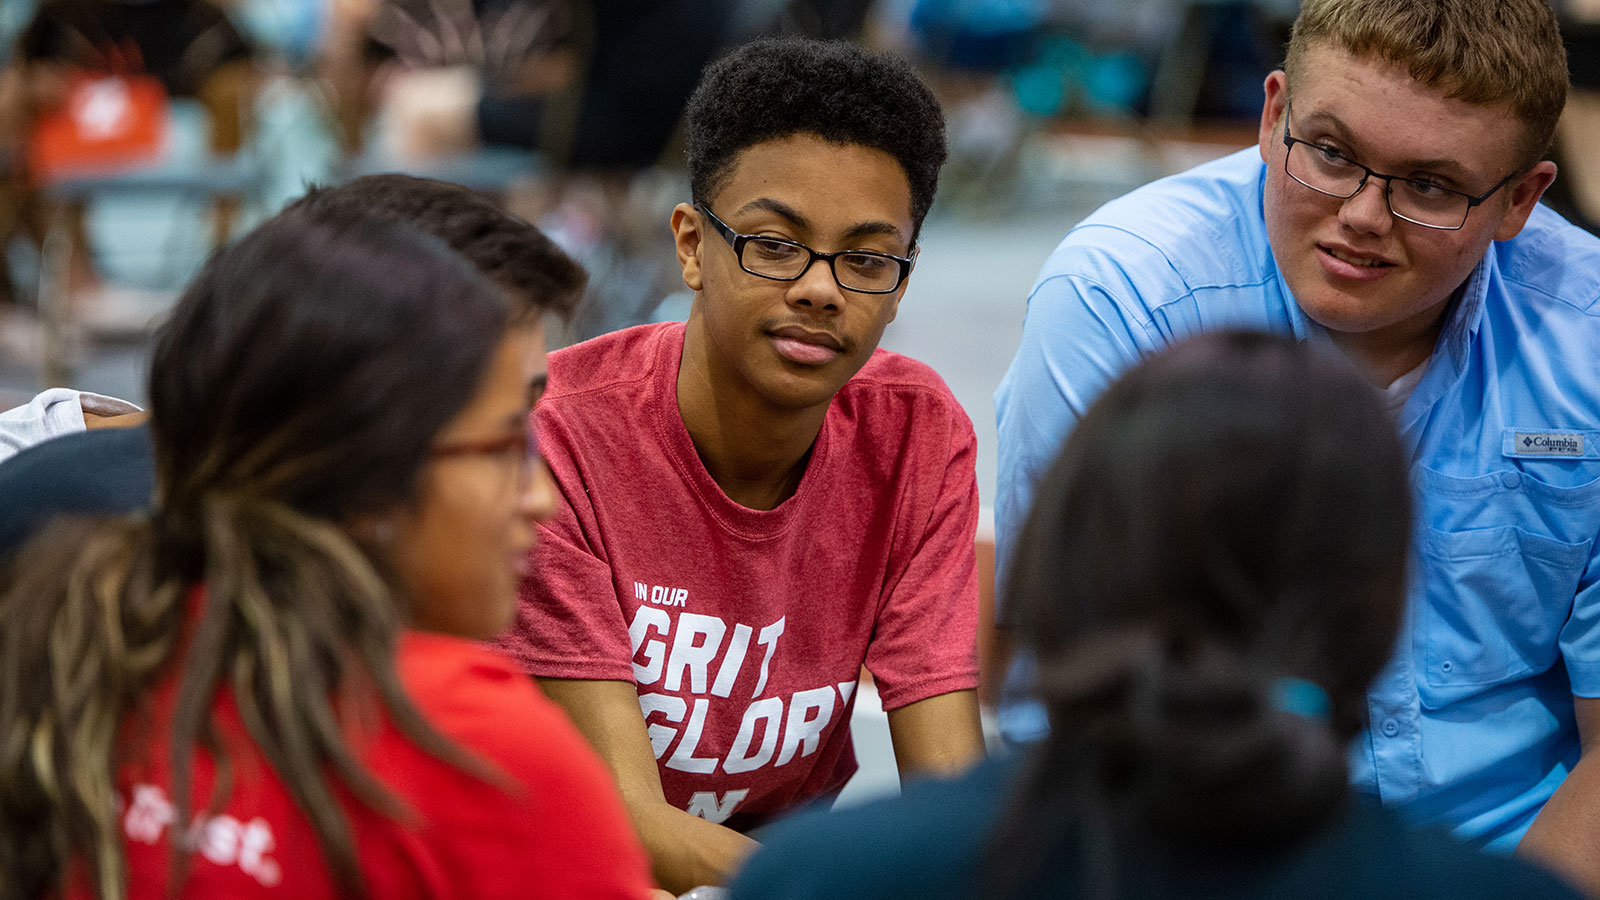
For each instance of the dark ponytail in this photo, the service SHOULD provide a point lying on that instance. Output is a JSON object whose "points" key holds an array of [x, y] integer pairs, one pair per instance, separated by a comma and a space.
{"points": [[1212, 574]]}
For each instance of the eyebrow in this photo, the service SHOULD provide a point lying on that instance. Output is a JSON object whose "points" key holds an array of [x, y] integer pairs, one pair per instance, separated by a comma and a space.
{"points": [[1443, 166], [858, 230]]}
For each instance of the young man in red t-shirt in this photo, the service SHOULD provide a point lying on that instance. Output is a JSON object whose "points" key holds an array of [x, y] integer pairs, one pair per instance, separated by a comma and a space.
{"points": [[759, 501]]}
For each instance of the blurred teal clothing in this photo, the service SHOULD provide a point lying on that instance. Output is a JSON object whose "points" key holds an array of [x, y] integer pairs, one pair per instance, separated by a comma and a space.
{"points": [[1472, 722], [932, 843]]}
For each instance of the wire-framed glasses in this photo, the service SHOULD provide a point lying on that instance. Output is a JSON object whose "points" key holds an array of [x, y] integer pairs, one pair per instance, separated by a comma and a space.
{"points": [[1327, 170]]}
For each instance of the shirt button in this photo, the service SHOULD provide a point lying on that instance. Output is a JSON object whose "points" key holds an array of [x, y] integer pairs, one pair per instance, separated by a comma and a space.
{"points": [[1390, 728], [1447, 666], [1511, 479]]}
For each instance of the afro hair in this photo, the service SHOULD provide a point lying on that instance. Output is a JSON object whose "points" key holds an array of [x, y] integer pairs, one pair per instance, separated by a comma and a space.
{"points": [[771, 89]]}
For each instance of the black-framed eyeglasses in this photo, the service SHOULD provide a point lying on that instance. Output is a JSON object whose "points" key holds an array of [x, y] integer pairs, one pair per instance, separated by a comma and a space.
{"points": [[780, 259], [1328, 171]]}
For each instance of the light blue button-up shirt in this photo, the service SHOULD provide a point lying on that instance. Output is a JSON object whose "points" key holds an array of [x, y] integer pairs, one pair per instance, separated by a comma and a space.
{"points": [[1472, 722]]}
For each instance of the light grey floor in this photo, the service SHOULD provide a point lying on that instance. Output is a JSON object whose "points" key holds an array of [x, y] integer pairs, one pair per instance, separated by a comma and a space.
{"points": [[962, 313]]}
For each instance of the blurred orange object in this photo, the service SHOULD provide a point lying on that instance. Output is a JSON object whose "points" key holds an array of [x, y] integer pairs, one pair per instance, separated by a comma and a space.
{"points": [[107, 121]]}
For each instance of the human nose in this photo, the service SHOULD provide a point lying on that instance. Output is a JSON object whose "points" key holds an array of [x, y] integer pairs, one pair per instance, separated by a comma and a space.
{"points": [[537, 500], [817, 288], [1368, 208]]}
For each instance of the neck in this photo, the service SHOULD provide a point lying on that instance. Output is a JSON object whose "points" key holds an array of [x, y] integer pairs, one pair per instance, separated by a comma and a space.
{"points": [[1386, 354], [753, 449]]}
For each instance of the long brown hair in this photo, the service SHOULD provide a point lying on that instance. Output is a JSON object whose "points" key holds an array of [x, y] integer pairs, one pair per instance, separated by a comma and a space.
{"points": [[294, 392]]}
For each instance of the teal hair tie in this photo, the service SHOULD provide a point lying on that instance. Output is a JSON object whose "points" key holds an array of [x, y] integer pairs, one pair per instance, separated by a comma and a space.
{"points": [[1300, 697]]}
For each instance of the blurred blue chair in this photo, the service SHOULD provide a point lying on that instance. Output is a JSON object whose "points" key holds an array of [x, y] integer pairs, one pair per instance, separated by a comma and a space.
{"points": [[185, 171], [288, 30], [490, 169]]}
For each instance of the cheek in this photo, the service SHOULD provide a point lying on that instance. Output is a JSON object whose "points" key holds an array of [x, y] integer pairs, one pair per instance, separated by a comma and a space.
{"points": [[459, 527], [734, 317], [1448, 256], [875, 328], [1273, 210], [1283, 207]]}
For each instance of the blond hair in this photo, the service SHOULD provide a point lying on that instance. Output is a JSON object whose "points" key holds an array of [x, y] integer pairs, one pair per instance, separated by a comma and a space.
{"points": [[1490, 52]]}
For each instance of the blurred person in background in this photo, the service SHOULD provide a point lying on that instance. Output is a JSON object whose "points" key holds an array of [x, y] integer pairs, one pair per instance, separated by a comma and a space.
{"points": [[1391, 209], [274, 683], [87, 87], [428, 78], [54, 412], [1576, 194], [69, 460], [596, 87], [1213, 572]]}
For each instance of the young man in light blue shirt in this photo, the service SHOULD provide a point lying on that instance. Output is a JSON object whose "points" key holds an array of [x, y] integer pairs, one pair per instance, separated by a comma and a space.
{"points": [[1392, 209]]}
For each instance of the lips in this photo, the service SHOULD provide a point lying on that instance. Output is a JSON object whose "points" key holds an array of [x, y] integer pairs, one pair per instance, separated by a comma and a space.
{"points": [[1343, 262], [806, 347], [1353, 258]]}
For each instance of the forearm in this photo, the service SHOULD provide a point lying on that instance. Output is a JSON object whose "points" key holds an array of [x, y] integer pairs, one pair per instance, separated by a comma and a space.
{"points": [[685, 850], [1564, 836]]}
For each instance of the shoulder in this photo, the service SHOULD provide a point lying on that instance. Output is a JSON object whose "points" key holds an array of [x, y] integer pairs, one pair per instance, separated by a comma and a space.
{"points": [[1199, 228], [479, 697], [893, 382], [618, 359], [926, 843], [607, 399], [557, 821], [87, 454], [108, 457], [1553, 261], [107, 472]]}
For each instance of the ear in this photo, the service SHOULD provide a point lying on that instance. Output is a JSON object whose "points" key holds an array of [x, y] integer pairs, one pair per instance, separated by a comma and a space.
{"points": [[1272, 107], [376, 529], [894, 302], [687, 238], [1525, 194]]}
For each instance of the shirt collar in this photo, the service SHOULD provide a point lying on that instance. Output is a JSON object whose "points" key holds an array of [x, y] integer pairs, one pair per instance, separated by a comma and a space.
{"points": [[1465, 314]]}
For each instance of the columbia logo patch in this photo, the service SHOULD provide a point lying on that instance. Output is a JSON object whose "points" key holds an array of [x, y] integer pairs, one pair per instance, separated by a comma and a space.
{"points": [[1548, 443]]}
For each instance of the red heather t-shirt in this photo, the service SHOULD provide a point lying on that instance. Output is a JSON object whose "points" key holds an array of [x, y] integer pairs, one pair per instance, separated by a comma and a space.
{"points": [[557, 828], [745, 630]]}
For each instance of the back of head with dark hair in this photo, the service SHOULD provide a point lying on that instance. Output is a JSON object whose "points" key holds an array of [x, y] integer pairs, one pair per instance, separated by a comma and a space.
{"points": [[772, 89], [323, 323], [1231, 514], [295, 392], [511, 252]]}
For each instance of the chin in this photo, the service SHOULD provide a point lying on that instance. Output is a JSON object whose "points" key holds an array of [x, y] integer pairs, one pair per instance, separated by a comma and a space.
{"points": [[788, 389], [798, 400], [1338, 311]]}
